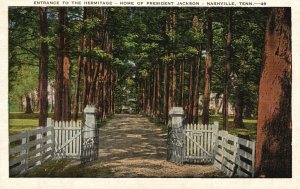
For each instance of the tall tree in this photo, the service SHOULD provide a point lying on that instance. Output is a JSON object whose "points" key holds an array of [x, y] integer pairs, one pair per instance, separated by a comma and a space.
{"points": [[274, 126], [28, 105], [79, 70], [66, 112], [208, 67], [62, 88], [59, 66], [198, 28], [43, 67], [227, 68]]}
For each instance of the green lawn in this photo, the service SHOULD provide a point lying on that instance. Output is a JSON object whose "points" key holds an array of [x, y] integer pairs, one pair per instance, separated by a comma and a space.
{"points": [[248, 131], [19, 122], [18, 125]]}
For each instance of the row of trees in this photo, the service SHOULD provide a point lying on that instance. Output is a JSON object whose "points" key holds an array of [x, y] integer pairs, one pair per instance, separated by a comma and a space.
{"points": [[181, 53], [161, 57], [170, 50], [63, 36]]}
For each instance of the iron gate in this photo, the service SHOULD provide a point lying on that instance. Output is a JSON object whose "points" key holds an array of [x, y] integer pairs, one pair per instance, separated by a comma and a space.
{"points": [[89, 144]]}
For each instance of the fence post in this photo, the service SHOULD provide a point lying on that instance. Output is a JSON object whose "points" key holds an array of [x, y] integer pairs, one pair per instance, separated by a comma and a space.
{"points": [[39, 145], [177, 116], [215, 129], [50, 133], [90, 122], [24, 151], [89, 133]]}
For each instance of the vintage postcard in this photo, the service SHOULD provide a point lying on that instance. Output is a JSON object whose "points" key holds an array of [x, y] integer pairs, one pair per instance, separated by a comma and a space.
{"points": [[149, 94]]}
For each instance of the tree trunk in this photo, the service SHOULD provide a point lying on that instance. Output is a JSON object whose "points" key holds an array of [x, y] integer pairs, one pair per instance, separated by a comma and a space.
{"points": [[207, 75], [238, 108], [227, 69], [66, 114], [154, 96], [28, 105], [43, 68], [59, 67], [62, 93], [195, 109], [21, 106], [248, 111], [158, 90], [166, 92], [103, 99], [181, 83], [85, 71], [79, 70], [197, 62], [274, 126], [191, 89]]}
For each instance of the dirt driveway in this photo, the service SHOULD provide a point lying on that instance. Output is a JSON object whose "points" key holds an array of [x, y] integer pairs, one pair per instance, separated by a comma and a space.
{"points": [[131, 146]]}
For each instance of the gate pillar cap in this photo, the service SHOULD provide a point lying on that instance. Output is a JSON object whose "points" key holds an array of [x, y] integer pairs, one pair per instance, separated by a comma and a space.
{"points": [[90, 109], [176, 111]]}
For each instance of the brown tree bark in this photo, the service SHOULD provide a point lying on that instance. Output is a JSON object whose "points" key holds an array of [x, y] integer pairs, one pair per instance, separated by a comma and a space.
{"points": [[85, 75], [166, 92], [154, 96], [238, 109], [181, 83], [62, 109], [197, 64], [208, 68], [43, 68], [191, 89], [227, 69], [28, 105], [21, 106], [196, 88], [66, 112], [158, 96], [173, 83], [274, 125], [59, 66], [104, 91], [173, 64], [78, 75]]}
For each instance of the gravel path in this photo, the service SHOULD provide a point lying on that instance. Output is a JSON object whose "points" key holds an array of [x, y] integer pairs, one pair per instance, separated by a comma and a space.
{"points": [[131, 146]]}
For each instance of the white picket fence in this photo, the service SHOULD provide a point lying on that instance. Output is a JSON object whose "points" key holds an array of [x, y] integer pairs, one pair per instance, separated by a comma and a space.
{"points": [[57, 140], [29, 149], [199, 142], [70, 139], [195, 143], [67, 139], [235, 156]]}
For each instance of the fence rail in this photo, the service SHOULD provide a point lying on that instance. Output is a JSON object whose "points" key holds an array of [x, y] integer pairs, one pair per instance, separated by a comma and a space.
{"points": [[63, 139], [29, 149], [234, 155], [206, 144]]}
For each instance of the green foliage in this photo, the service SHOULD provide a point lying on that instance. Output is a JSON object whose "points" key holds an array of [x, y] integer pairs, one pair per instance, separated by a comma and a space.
{"points": [[98, 54]]}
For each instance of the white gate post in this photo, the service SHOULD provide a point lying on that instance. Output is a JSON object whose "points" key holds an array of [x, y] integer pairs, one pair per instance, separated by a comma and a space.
{"points": [[177, 116], [89, 130], [175, 151], [215, 129]]}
